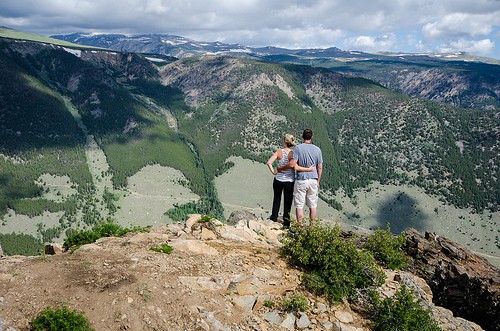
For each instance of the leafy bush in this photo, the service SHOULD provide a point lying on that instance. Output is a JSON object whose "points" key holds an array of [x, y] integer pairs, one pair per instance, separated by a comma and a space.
{"points": [[78, 238], [100, 230], [295, 303], [386, 248], [402, 312], [332, 264], [165, 248], [269, 304], [208, 204], [61, 319], [205, 219]]}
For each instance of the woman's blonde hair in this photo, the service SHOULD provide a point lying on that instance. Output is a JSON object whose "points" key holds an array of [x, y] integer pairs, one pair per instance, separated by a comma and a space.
{"points": [[290, 140]]}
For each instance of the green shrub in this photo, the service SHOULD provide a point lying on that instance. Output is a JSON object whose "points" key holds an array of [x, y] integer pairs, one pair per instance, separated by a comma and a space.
{"points": [[108, 229], [206, 205], [269, 304], [295, 303], [387, 248], [78, 238], [61, 319], [165, 248], [100, 230], [402, 312], [205, 219], [332, 265]]}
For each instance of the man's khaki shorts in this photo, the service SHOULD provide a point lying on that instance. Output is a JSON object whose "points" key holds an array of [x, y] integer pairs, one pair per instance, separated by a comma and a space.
{"points": [[305, 192]]}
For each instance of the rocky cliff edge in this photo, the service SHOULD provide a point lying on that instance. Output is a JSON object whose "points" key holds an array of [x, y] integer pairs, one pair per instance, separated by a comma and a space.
{"points": [[218, 277]]}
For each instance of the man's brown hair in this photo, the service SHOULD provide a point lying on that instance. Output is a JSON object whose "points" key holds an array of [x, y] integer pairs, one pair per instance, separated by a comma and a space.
{"points": [[307, 134]]}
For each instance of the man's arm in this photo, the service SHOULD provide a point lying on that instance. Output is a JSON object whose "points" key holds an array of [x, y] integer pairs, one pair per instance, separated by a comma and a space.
{"points": [[320, 171], [290, 165]]}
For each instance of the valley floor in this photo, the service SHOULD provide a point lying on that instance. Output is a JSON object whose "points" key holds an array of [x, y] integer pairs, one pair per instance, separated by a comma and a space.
{"points": [[248, 186]]}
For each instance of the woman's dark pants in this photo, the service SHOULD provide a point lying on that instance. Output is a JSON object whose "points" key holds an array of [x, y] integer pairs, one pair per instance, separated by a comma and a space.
{"points": [[287, 189]]}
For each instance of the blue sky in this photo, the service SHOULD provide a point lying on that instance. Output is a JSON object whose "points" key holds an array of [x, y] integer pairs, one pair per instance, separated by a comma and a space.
{"points": [[367, 25]]}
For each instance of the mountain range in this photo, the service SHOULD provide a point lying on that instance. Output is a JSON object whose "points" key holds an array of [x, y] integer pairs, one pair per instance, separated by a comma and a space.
{"points": [[455, 78]]}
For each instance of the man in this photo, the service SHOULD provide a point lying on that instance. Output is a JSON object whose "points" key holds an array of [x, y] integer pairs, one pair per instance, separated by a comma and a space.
{"points": [[306, 187]]}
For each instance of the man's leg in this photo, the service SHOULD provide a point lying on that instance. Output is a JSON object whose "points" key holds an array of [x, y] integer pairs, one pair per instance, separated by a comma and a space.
{"points": [[299, 213], [312, 214], [312, 200], [299, 198]]}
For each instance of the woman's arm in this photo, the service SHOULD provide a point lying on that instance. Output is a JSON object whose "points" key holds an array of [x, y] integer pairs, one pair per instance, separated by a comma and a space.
{"points": [[271, 161], [299, 168]]}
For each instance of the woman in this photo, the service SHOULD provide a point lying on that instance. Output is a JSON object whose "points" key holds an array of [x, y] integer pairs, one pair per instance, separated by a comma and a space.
{"points": [[283, 181]]}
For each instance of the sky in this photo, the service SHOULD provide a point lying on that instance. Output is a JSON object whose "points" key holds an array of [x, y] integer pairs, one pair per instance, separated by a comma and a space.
{"points": [[409, 26]]}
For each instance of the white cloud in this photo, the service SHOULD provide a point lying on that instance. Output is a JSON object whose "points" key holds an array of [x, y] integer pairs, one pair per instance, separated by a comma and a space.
{"points": [[368, 25], [484, 46], [384, 42], [317, 37], [460, 24]]}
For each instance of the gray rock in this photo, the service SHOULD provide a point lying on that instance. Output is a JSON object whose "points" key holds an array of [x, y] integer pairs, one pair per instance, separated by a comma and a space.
{"points": [[193, 246], [303, 322], [204, 283], [327, 325], [88, 248], [461, 280], [289, 322], [266, 273], [216, 325], [237, 216], [344, 316], [345, 327], [321, 307], [273, 317], [245, 302]]}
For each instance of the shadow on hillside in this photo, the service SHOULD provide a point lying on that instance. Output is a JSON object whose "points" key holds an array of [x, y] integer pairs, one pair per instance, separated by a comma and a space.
{"points": [[401, 212], [3, 179]]}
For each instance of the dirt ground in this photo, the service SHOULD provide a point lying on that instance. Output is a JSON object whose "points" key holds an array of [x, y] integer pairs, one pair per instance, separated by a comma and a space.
{"points": [[120, 284]]}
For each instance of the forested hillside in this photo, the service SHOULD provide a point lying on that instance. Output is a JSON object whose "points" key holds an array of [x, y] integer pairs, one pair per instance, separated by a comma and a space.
{"points": [[465, 84], [366, 132], [192, 114]]}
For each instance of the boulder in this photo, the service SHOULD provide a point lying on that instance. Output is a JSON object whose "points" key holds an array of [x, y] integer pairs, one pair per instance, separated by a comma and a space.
{"points": [[303, 322], [239, 215], [53, 249], [460, 280], [245, 302], [204, 283], [193, 247]]}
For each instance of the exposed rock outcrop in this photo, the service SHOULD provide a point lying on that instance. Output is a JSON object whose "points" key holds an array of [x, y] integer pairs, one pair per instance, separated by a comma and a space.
{"points": [[53, 249], [460, 280], [239, 215]]}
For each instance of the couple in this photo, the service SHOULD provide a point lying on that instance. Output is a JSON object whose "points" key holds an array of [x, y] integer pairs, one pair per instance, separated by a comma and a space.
{"points": [[297, 175]]}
